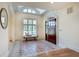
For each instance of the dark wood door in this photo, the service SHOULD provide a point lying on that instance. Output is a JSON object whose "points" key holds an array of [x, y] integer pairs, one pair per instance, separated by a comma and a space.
{"points": [[51, 30]]}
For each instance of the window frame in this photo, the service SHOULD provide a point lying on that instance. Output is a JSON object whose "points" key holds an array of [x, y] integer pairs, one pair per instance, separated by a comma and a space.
{"points": [[30, 25]]}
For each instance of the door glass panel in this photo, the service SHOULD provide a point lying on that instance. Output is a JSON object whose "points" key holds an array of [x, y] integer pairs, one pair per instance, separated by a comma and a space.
{"points": [[53, 23]]}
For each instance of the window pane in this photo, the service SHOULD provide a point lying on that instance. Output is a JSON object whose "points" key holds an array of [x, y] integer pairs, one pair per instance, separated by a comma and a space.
{"points": [[29, 11], [24, 33], [29, 21], [34, 33], [33, 11], [34, 21], [24, 10], [30, 27], [25, 27], [50, 23], [34, 30], [34, 27]]}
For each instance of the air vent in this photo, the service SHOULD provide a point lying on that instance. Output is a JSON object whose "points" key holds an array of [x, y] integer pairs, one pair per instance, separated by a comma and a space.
{"points": [[70, 10]]}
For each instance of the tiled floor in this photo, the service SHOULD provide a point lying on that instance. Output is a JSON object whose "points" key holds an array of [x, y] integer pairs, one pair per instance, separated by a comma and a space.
{"points": [[30, 48]]}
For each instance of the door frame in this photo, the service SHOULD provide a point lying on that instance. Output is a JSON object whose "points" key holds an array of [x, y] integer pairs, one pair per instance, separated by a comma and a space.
{"points": [[57, 32]]}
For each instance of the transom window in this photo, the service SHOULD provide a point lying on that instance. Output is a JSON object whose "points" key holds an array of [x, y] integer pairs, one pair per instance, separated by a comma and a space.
{"points": [[28, 10], [30, 27]]}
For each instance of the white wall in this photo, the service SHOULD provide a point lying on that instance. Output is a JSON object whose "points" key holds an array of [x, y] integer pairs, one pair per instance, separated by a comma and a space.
{"points": [[69, 27], [4, 36], [3, 42], [49, 14]]}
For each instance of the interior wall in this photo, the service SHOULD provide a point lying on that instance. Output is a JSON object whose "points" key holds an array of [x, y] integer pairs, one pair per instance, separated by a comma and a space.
{"points": [[19, 25], [4, 39], [11, 27], [69, 27], [12, 24], [49, 14]]}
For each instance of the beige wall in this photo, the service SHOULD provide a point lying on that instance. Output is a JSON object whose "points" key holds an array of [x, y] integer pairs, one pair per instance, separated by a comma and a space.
{"points": [[19, 25], [69, 27], [12, 24]]}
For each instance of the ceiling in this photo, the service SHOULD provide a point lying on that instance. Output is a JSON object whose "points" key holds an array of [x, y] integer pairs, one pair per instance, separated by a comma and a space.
{"points": [[43, 5], [28, 9]]}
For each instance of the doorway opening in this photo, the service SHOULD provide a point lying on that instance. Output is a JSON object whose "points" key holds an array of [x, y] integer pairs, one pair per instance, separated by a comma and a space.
{"points": [[50, 30]]}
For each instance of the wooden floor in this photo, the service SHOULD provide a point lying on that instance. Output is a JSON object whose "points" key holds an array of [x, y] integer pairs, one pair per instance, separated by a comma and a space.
{"points": [[64, 52], [31, 48], [39, 49]]}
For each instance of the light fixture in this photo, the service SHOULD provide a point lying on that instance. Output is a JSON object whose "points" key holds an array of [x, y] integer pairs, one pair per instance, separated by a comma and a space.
{"points": [[51, 2]]}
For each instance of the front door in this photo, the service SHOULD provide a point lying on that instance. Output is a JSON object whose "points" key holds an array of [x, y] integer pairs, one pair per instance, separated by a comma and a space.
{"points": [[51, 30]]}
